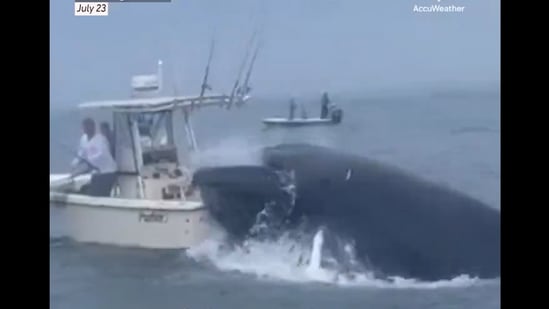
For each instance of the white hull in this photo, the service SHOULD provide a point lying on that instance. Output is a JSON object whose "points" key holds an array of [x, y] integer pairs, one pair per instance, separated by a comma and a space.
{"points": [[285, 122], [132, 222]]}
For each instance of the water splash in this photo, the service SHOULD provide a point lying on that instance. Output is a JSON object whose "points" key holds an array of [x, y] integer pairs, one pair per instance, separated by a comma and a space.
{"points": [[275, 253], [316, 254], [236, 150], [305, 260]]}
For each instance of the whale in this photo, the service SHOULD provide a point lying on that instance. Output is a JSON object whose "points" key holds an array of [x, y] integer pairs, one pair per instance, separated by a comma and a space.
{"points": [[399, 224]]}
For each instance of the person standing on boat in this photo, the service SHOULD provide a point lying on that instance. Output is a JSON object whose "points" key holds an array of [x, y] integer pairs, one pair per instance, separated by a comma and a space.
{"points": [[293, 107], [303, 112], [94, 152], [325, 102]]}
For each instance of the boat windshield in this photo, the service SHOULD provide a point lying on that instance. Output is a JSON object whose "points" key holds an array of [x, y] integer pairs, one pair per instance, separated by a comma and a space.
{"points": [[155, 130]]}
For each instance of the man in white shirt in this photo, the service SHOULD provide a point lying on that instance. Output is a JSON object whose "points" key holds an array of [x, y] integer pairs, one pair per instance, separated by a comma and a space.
{"points": [[95, 154]]}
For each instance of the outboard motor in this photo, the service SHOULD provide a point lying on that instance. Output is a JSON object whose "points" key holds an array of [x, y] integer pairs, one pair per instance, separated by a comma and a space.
{"points": [[337, 115]]}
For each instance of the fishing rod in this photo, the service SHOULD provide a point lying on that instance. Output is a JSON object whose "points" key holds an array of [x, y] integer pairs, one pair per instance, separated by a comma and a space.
{"points": [[242, 66], [186, 113], [205, 86], [245, 87]]}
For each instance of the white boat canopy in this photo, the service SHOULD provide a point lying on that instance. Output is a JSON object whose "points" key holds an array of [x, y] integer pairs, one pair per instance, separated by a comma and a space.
{"points": [[155, 104]]}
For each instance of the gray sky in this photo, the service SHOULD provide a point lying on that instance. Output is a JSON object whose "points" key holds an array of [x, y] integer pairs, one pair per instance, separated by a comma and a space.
{"points": [[309, 45]]}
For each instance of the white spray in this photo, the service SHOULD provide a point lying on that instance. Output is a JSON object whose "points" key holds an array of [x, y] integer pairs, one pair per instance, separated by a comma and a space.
{"points": [[283, 259], [316, 252]]}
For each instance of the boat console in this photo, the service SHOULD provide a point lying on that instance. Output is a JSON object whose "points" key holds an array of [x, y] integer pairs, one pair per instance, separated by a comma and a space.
{"points": [[165, 181], [159, 154]]}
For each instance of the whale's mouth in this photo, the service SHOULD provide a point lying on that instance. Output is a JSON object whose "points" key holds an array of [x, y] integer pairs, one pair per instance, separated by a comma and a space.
{"points": [[245, 196], [242, 197]]}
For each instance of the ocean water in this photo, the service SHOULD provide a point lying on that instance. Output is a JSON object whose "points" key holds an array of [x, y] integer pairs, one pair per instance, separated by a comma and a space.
{"points": [[453, 139]]}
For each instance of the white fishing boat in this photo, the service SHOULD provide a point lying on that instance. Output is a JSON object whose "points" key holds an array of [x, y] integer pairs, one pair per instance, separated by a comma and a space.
{"points": [[332, 116], [152, 204], [298, 122]]}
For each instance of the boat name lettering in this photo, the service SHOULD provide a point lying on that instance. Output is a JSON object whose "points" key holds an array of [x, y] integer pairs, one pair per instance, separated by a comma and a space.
{"points": [[152, 217]]}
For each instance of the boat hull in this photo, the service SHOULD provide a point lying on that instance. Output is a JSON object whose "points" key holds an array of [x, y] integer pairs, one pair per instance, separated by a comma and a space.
{"points": [[133, 223], [297, 122]]}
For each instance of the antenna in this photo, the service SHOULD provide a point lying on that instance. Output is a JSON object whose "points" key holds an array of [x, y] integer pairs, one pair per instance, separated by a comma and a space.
{"points": [[160, 75]]}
